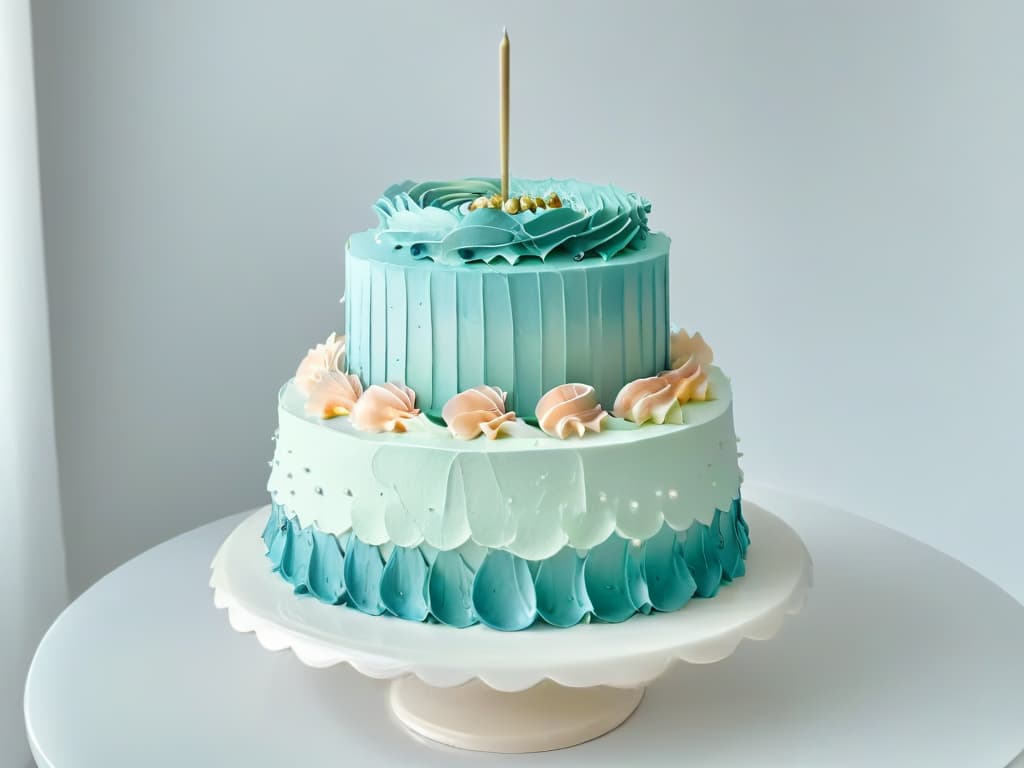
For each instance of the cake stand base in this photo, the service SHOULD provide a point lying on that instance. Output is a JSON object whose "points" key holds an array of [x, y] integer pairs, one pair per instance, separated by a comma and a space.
{"points": [[545, 717]]}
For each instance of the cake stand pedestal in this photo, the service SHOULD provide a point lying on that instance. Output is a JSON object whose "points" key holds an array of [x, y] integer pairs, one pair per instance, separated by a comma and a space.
{"points": [[546, 688]]}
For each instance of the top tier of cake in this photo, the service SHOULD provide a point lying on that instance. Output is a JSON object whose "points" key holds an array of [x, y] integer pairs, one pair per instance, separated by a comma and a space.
{"points": [[450, 293]]}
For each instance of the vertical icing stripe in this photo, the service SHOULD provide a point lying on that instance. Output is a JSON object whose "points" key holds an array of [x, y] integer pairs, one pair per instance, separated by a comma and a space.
{"points": [[499, 348], [419, 343], [526, 342], [377, 372], [577, 325], [647, 319], [444, 315], [398, 306], [661, 315], [632, 322], [553, 330], [471, 330]]}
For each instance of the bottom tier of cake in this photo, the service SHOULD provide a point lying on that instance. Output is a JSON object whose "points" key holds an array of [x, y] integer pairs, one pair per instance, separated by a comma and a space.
{"points": [[610, 582]]}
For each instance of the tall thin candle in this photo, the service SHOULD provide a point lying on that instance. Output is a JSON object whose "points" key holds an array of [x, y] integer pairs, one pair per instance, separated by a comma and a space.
{"points": [[503, 65]]}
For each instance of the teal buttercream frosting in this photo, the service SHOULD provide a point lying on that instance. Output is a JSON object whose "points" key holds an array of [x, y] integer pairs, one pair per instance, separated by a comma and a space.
{"points": [[433, 220], [611, 582], [525, 328]]}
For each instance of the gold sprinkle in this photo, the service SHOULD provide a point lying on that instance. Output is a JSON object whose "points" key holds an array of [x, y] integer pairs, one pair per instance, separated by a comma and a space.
{"points": [[539, 202], [480, 202], [512, 205], [554, 201], [495, 200], [526, 203]]}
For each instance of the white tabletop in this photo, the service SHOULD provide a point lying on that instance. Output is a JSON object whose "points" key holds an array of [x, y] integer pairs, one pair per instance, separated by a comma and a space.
{"points": [[902, 657]]}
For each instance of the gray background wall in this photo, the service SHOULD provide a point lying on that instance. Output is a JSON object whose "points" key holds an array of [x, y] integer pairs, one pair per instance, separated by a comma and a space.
{"points": [[842, 182]]}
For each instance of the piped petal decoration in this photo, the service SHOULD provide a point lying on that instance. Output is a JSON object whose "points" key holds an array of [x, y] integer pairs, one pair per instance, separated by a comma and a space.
{"points": [[610, 582], [683, 346], [570, 409], [321, 359], [333, 394], [650, 399], [383, 408], [475, 411], [503, 592]]}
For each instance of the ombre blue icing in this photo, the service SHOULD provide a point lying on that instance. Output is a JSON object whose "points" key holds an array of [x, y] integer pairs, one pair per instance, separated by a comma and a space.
{"points": [[612, 582], [525, 328], [432, 220]]}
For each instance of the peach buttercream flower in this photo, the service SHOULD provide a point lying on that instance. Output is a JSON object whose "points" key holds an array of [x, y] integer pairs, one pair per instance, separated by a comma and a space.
{"points": [[568, 409], [689, 381], [476, 410], [333, 394], [384, 407], [683, 346], [329, 356], [649, 399]]}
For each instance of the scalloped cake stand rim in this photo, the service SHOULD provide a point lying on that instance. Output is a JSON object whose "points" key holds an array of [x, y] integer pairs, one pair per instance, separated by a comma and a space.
{"points": [[627, 655]]}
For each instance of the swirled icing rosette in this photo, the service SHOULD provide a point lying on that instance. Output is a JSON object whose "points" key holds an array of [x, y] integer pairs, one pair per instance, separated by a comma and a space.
{"points": [[434, 221], [329, 356], [384, 408], [689, 382], [649, 399], [570, 409], [475, 411], [333, 394]]}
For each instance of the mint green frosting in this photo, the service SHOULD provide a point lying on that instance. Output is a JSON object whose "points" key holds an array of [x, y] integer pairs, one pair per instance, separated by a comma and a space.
{"points": [[530, 495], [611, 582], [432, 220]]}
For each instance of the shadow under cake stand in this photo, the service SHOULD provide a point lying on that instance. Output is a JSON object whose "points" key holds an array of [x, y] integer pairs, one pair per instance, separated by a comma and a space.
{"points": [[545, 688]]}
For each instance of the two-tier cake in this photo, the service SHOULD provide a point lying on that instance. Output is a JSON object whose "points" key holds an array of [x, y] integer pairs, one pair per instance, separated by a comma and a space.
{"points": [[509, 433]]}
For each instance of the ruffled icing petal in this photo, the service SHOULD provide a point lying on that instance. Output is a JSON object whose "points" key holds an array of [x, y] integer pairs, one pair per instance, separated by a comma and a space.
{"points": [[364, 568], [275, 524], [669, 582], [729, 554], [383, 408], [607, 583], [333, 394], [561, 592], [403, 584], [295, 567], [321, 359], [450, 590], [326, 579], [503, 592], [701, 552]]}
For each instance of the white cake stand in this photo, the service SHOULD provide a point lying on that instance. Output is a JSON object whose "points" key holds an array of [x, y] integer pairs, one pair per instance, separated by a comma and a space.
{"points": [[537, 690]]}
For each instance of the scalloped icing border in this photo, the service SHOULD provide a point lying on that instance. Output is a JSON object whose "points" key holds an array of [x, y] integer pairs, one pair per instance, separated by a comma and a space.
{"points": [[631, 672]]}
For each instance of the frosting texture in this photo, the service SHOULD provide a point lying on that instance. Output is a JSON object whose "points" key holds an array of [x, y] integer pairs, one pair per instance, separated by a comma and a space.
{"points": [[611, 582], [433, 220]]}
